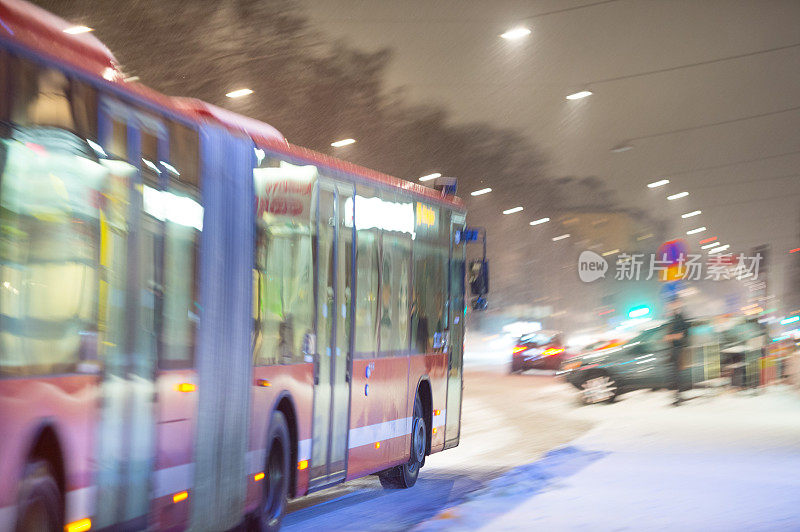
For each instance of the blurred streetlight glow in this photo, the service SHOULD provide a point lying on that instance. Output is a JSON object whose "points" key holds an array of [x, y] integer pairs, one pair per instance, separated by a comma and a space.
{"points": [[579, 95], [430, 176], [540, 221], [239, 93], [695, 231], [74, 30], [690, 214], [656, 184], [516, 33], [512, 210], [560, 237], [343, 142], [711, 245], [679, 195], [480, 192]]}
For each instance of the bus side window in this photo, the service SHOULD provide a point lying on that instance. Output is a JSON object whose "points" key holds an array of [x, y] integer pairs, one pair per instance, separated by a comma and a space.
{"points": [[183, 225], [51, 210], [283, 272], [429, 296], [366, 303], [394, 306]]}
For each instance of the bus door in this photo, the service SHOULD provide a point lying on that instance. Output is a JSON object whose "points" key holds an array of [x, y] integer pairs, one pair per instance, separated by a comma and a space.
{"points": [[455, 348], [332, 364], [128, 306]]}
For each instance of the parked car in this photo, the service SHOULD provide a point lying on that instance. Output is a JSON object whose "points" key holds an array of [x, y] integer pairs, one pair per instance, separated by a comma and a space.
{"points": [[538, 350]]}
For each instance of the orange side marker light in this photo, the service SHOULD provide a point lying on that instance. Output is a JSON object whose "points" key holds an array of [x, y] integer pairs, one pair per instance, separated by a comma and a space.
{"points": [[302, 464], [80, 525], [377, 445], [258, 476], [435, 430], [437, 412], [185, 387], [263, 382], [180, 496]]}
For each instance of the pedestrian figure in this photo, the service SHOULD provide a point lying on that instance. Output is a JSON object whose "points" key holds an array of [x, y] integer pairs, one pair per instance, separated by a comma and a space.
{"points": [[678, 335]]}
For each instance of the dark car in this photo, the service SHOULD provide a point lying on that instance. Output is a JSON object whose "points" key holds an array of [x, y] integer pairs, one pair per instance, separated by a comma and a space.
{"points": [[603, 374], [644, 361], [539, 350]]}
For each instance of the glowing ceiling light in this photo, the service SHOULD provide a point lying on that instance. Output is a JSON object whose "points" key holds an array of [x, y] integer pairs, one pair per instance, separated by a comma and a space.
{"points": [[516, 33], [512, 210], [579, 95], [656, 184], [540, 221], [696, 230], [690, 214], [343, 142], [711, 245], [481, 192], [560, 237], [239, 93], [679, 195]]}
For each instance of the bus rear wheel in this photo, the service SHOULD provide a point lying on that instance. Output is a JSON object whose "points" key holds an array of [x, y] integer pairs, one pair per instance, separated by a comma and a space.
{"points": [[40, 501], [405, 476], [276, 476]]}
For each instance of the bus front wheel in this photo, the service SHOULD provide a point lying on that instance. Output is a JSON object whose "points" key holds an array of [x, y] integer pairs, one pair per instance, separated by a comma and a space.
{"points": [[40, 500], [405, 476]]}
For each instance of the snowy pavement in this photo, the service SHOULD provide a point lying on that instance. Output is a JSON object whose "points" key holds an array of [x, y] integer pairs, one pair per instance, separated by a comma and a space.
{"points": [[722, 461]]}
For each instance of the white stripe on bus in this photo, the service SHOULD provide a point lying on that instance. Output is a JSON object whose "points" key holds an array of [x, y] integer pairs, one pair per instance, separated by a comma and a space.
{"points": [[8, 514], [439, 421], [387, 430], [80, 503], [256, 459], [172, 480]]}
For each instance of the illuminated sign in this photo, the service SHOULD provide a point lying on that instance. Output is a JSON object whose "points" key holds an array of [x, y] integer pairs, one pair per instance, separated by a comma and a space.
{"points": [[285, 190], [425, 215], [375, 213]]}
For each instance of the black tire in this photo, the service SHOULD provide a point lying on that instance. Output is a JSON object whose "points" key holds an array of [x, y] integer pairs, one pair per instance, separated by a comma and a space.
{"points": [[40, 507], [593, 393], [276, 476], [405, 476]]}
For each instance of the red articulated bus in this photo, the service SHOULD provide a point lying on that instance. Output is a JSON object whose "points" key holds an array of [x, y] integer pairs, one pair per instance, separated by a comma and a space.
{"points": [[199, 320]]}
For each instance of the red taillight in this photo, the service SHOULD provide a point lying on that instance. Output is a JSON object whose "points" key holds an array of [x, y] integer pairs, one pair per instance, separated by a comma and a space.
{"points": [[552, 351], [519, 349]]}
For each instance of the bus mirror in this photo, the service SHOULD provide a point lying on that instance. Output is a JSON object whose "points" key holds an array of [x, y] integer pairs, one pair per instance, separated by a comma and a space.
{"points": [[479, 277]]}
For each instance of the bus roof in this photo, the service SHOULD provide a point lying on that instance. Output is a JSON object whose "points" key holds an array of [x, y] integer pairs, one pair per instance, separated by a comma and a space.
{"points": [[43, 32]]}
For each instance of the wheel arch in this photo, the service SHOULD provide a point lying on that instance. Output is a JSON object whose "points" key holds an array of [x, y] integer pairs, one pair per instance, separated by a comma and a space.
{"points": [[285, 405], [425, 394], [46, 444]]}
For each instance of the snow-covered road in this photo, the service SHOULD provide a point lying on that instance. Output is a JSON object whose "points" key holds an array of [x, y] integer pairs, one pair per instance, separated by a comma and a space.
{"points": [[722, 461], [506, 421]]}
